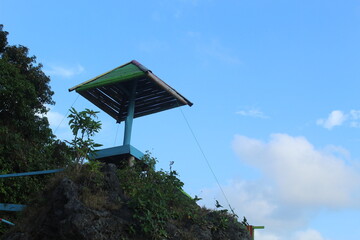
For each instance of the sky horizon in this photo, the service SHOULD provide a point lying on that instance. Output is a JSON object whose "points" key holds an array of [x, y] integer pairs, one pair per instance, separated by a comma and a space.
{"points": [[274, 86]]}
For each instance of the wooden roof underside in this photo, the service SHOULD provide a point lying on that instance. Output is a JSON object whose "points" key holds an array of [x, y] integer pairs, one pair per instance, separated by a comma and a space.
{"points": [[152, 96]]}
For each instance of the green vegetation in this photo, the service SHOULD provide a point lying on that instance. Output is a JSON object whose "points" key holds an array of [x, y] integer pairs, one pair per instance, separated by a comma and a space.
{"points": [[26, 140], [84, 126], [131, 202], [157, 199]]}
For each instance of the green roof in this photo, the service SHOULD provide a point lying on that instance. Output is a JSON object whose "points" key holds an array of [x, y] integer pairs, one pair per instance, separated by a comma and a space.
{"points": [[111, 91], [120, 74]]}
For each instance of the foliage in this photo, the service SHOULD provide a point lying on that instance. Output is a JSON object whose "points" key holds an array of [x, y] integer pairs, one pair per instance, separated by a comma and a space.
{"points": [[157, 200], [26, 140], [156, 197], [84, 126]]}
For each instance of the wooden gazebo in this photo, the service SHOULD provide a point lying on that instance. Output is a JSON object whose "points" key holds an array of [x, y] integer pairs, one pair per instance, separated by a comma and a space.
{"points": [[125, 93]]}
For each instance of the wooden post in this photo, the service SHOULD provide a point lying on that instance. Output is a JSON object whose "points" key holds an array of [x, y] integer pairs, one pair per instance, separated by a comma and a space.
{"points": [[251, 229]]}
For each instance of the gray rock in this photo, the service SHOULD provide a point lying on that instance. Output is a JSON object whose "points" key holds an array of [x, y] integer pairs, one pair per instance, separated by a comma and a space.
{"points": [[62, 213]]}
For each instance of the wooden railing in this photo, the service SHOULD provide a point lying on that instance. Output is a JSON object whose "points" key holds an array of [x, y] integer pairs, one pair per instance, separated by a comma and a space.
{"points": [[20, 207]]}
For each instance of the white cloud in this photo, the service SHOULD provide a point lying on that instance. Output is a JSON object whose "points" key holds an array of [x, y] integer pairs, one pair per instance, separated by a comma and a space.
{"points": [[258, 201], [59, 124], [309, 234], [337, 151], [355, 114], [335, 118], [56, 119], [355, 124], [252, 113], [355, 118], [63, 71], [297, 180], [302, 174], [338, 118]]}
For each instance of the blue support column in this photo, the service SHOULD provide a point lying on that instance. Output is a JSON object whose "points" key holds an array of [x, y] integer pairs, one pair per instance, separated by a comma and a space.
{"points": [[130, 116]]}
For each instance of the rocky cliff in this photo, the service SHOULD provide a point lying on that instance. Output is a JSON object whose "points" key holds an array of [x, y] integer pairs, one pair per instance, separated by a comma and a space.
{"points": [[99, 204]]}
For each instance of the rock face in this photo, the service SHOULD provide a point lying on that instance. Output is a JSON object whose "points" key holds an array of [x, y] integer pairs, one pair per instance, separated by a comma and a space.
{"points": [[65, 216], [64, 213]]}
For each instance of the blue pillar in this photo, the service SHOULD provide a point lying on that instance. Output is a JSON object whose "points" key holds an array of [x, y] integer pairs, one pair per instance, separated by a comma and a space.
{"points": [[130, 115]]}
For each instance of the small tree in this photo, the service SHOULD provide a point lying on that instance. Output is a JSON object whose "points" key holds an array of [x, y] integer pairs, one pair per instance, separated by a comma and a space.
{"points": [[84, 126]]}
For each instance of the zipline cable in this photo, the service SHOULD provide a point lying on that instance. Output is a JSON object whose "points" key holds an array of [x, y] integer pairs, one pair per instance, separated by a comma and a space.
{"points": [[206, 160], [66, 113]]}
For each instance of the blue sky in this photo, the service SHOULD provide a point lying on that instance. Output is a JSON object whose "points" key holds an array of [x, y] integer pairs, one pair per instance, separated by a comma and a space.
{"points": [[275, 89]]}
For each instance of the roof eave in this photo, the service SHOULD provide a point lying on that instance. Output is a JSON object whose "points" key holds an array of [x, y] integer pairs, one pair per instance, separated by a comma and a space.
{"points": [[93, 79], [169, 89]]}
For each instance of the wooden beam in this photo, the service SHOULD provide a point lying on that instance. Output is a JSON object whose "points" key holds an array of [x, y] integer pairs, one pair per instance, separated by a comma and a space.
{"points": [[156, 101], [113, 93], [99, 104], [169, 89], [145, 112], [104, 98]]}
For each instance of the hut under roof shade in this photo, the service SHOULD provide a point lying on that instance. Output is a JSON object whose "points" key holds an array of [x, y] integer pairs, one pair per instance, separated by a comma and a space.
{"points": [[111, 92]]}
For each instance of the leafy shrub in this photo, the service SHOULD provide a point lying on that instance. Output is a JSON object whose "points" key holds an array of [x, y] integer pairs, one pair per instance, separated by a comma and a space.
{"points": [[156, 197]]}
